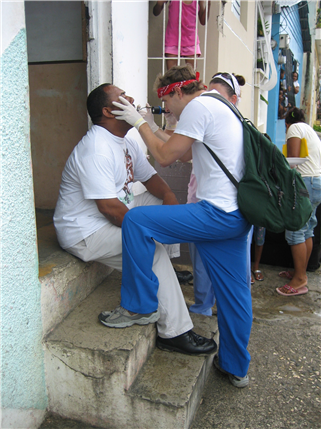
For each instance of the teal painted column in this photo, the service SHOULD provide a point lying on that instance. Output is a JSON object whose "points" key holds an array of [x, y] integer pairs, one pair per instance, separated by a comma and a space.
{"points": [[23, 390]]}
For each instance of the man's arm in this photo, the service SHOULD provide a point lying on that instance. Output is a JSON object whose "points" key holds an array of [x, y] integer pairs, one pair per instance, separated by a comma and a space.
{"points": [[163, 134], [293, 147], [160, 189], [113, 209], [202, 11], [158, 7]]}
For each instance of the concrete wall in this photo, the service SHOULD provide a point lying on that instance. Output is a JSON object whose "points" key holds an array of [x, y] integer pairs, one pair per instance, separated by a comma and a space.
{"points": [[236, 50], [23, 390]]}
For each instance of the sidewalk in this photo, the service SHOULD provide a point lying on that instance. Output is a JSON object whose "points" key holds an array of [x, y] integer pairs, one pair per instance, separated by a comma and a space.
{"points": [[285, 383], [284, 390]]}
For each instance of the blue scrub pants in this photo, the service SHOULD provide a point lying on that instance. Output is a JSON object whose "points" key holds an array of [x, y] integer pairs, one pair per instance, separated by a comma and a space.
{"points": [[203, 289], [221, 239]]}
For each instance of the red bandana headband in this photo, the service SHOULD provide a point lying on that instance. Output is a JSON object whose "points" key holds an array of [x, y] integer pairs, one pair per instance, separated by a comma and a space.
{"points": [[165, 90]]}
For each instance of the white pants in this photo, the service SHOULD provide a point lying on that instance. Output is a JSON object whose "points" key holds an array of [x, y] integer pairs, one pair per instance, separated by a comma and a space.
{"points": [[105, 246]]}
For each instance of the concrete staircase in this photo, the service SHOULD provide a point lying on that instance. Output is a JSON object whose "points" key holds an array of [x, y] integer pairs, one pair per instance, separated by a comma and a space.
{"points": [[116, 378], [110, 378]]}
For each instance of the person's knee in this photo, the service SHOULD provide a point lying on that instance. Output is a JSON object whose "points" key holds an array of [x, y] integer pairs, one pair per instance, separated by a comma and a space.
{"points": [[295, 237], [82, 257], [132, 214], [135, 217], [128, 219]]}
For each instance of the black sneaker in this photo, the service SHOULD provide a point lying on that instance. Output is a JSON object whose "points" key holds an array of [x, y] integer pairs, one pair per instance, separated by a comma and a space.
{"points": [[184, 276]]}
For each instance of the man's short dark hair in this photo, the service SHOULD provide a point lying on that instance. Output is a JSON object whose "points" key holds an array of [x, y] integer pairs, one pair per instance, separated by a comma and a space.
{"points": [[96, 100]]}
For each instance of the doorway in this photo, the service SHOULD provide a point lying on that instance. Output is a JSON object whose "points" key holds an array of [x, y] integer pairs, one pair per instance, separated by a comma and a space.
{"points": [[56, 44]]}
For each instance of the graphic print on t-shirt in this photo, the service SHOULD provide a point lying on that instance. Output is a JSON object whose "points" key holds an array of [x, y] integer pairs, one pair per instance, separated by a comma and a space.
{"points": [[127, 189]]}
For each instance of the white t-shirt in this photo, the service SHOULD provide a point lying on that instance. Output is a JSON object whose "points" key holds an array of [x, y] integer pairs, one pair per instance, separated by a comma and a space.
{"points": [[312, 167], [210, 121], [101, 166]]}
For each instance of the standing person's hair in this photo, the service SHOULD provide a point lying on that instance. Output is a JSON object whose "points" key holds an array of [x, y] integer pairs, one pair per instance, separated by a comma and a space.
{"points": [[180, 74], [231, 83], [294, 116], [96, 100]]}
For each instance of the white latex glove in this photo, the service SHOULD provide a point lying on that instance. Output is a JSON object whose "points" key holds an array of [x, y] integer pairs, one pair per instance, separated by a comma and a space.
{"points": [[128, 113], [149, 117], [171, 121]]}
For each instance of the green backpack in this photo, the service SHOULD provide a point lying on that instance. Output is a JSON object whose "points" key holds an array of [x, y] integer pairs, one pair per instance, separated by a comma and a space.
{"points": [[270, 194]]}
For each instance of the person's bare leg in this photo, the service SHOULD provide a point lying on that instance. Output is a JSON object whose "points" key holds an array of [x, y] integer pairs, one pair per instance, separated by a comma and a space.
{"points": [[191, 62], [257, 258], [170, 62], [300, 257], [309, 245]]}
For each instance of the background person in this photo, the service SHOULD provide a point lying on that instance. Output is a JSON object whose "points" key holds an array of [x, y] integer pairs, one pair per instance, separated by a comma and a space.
{"points": [[259, 239], [296, 85], [282, 108], [188, 29], [282, 80], [301, 242], [215, 224]]}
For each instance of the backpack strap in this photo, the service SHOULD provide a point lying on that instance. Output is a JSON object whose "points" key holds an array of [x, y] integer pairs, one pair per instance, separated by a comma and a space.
{"points": [[220, 163], [238, 114]]}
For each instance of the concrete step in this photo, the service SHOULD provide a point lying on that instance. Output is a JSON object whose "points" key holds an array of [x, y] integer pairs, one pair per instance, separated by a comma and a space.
{"points": [[115, 377], [65, 280], [168, 390]]}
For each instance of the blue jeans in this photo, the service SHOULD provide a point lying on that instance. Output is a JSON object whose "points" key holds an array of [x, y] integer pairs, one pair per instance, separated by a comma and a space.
{"points": [[203, 289], [313, 185]]}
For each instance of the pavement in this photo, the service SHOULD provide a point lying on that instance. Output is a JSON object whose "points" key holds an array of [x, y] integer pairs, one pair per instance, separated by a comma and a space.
{"points": [[285, 382]]}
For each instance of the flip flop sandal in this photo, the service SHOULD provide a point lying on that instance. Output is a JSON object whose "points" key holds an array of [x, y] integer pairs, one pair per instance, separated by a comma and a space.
{"points": [[301, 291], [252, 281], [256, 275], [285, 275]]}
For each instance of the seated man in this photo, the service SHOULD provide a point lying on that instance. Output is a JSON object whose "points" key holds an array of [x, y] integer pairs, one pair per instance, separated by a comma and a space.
{"points": [[96, 193]]}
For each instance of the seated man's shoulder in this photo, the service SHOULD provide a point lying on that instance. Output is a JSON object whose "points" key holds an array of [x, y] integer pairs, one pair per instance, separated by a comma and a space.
{"points": [[97, 140], [133, 145]]}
